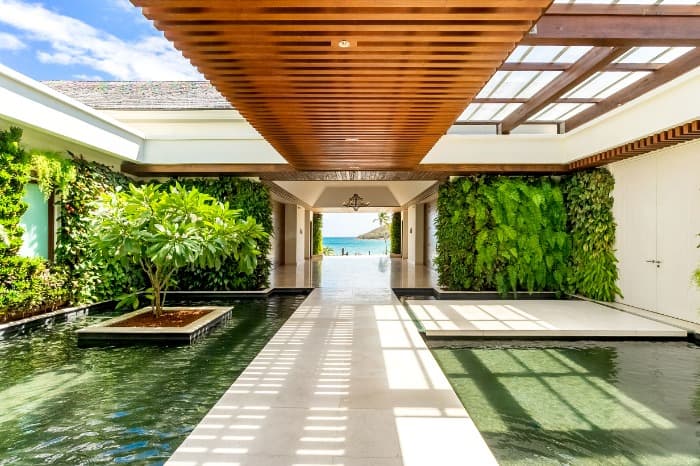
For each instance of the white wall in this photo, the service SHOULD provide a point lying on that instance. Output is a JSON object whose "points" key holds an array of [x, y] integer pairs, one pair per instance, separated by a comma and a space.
{"points": [[294, 234], [657, 209], [416, 223]]}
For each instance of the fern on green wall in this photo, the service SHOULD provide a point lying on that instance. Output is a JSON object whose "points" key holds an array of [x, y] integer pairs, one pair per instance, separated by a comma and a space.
{"points": [[502, 233], [589, 203], [14, 174], [317, 233]]}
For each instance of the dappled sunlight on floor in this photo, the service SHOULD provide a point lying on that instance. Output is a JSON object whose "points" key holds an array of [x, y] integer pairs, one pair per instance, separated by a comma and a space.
{"points": [[508, 318], [346, 381]]}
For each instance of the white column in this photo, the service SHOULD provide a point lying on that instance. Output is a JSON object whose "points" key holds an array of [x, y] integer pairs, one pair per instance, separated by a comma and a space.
{"points": [[416, 223]]}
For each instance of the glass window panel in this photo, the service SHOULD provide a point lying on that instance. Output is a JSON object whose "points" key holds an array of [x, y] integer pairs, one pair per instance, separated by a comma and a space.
{"points": [[493, 82], [598, 83], [623, 83], [538, 84], [486, 112], [572, 54], [514, 83], [543, 54], [518, 54], [643, 55], [672, 54], [471, 108], [505, 111]]}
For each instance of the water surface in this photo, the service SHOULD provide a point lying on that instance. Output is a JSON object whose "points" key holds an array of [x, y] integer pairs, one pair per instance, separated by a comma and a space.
{"points": [[60, 404], [612, 403]]}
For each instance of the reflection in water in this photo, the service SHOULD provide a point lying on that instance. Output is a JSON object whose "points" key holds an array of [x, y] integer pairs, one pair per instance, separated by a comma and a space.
{"points": [[64, 405], [589, 403]]}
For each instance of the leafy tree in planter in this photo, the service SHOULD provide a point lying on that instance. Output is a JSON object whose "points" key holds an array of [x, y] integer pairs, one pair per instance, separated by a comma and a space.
{"points": [[164, 230]]}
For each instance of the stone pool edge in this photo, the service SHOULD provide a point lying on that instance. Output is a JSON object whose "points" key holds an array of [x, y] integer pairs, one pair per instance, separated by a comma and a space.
{"points": [[20, 327]]}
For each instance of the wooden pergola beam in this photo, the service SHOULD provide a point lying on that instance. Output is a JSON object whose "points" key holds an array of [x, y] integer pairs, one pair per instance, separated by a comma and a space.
{"points": [[593, 61], [685, 63], [617, 25]]}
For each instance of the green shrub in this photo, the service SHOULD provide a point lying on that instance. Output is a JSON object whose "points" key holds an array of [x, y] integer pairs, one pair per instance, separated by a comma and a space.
{"points": [[253, 199], [14, 174], [28, 287], [163, 231], [91, 278], [502, 233], [396, 233], [589, 201], [317, 238]]}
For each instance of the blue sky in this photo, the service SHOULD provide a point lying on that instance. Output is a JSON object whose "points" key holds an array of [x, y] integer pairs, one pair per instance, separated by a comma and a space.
{"points": [[351, 224], [86, 40]]}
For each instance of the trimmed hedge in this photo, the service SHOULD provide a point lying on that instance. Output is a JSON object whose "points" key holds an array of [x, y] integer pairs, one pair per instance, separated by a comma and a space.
{"points": [[396, 233], [589, 203], [502, 233], [317, 239], [253, 198]]}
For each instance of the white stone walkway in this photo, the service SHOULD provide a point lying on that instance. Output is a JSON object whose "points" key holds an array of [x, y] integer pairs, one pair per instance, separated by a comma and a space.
{"points": [[534, 318], [346, 381]]}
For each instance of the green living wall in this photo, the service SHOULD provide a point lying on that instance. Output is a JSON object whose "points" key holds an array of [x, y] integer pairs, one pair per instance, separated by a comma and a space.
{"points": [[317, 238], [502, 233], [91, 278], [589, 202], [396, 233], [253, 198], [27, 285], [528, 234]]}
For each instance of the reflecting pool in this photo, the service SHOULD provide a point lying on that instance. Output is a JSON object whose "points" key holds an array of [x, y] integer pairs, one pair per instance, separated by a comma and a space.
{"points": [[591, 403], [60, 404]]}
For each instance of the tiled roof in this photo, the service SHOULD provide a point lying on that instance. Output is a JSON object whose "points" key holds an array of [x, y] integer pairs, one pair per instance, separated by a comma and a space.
{"points": [[143, 95]]}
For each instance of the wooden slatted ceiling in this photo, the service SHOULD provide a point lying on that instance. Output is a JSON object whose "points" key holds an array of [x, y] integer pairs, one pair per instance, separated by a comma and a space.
{"points": [[411, 68]]}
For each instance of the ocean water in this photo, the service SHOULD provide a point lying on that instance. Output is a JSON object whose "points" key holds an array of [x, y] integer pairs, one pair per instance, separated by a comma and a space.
{"points": [[354, 246]]}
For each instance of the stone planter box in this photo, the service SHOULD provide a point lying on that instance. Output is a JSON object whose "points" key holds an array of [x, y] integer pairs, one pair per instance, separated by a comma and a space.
{"points": [[108, 334]]}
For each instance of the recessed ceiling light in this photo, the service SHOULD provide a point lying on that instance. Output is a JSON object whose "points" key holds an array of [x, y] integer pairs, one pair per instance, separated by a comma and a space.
{"points": [[343, 44], [354, 168], [352, 139]]}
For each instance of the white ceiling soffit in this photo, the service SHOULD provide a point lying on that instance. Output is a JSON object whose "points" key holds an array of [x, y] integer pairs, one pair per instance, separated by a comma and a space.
{"points": [[397, 193]]}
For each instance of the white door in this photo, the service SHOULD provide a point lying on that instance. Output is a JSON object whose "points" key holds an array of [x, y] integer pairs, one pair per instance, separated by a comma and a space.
{"points": [[678, 214], [635, 213]]}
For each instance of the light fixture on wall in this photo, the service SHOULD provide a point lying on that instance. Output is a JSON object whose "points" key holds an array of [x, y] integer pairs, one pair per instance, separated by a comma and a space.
{"points": [[355, 201]]}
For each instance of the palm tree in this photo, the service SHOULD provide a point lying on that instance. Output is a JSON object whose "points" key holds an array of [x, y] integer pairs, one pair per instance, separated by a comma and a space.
{"points": [[383, 220]]}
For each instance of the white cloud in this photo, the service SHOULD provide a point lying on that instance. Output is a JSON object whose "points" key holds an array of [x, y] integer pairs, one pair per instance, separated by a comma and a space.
{"points": [[73, 42], [10, 42], [123, 5]]}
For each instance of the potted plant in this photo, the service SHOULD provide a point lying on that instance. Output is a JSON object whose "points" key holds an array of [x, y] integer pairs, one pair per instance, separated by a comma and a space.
{"points": [[161, 231]]}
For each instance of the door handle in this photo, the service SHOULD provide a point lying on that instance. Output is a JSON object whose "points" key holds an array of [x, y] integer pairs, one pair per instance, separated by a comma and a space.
{"points": [[653, 261]]}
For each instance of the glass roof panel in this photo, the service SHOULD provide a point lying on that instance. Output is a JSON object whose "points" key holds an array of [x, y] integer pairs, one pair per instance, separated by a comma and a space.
{"points": [[514, 83], [471, 108], [680, 2], [596, 84], [492, 83], [553, 112], [637, 2], [537, 84], [643, 55], [572, 54], [622, 83], [574, 111], [517, 55], [673, 53], [543, 54], [505, 111], [486, 112]]}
